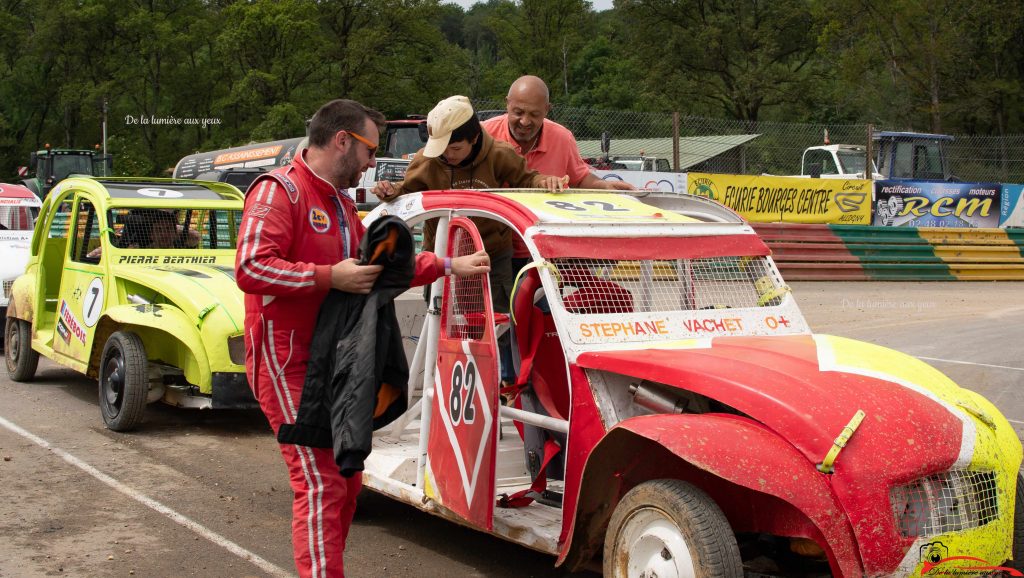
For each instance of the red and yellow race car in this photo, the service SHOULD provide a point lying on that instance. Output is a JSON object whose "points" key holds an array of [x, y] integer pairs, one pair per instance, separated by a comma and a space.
{"points": [[679, 416]]}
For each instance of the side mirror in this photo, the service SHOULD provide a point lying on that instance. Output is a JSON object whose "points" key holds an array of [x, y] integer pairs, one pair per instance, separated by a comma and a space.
{"points": [[422, 128], [814, 169], [32, 161]]}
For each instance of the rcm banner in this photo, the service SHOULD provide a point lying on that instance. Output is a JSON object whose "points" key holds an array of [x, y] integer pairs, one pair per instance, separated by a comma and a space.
{"points": [[937, 204], [1012, 213], [763, 199], [647, 180]]}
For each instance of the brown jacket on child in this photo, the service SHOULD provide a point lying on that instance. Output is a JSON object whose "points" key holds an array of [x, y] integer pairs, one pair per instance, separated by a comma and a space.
{"points": [[497, 165]]}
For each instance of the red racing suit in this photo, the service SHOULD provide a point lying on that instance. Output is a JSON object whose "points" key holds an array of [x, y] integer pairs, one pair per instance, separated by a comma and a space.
{"points": [[296, 225]]}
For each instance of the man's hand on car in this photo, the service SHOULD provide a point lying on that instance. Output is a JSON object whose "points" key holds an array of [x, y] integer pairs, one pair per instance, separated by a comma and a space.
{"points": [[555, 183], [619, 186], [351, 277], [468, 265], [385, 191]]}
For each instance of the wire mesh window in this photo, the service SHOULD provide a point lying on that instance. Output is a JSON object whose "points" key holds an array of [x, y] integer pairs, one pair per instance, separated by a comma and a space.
{"points": [[86, 237], [174, 228], [17, 218], [466, 312], [591, 286], [952, 501]]}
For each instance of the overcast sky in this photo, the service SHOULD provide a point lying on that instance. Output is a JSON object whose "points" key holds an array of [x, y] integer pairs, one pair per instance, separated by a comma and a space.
{"points": [[599, 5]]}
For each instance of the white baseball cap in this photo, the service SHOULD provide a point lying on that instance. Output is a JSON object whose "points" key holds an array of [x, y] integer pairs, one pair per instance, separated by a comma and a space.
{"points": [[448, 115]]}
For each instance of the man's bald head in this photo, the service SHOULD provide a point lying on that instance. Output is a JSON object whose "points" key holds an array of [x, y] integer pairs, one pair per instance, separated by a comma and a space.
{"points": [[527, 105], [529, 87]]}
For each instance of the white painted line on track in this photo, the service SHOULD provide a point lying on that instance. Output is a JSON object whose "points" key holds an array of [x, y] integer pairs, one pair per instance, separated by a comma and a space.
{"points": [[971, 363], [196, 527]]}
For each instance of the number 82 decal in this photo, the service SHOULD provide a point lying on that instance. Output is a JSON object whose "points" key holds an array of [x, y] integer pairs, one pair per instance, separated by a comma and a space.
{"points": [[589, 205], [461, 403]]}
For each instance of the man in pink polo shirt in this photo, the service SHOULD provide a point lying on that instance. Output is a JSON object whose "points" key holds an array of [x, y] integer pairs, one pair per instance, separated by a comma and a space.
{"points": [[549, 147]]}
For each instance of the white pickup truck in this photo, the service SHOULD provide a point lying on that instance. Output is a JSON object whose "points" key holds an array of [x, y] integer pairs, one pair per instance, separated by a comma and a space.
{"points": [[837, 161]]}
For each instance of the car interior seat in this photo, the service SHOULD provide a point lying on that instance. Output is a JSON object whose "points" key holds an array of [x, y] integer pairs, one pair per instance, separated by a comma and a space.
{"points": [[542, 384]]}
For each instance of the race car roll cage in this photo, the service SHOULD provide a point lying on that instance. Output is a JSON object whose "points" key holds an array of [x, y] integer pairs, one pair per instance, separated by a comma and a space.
{"points": [[699, 208]]}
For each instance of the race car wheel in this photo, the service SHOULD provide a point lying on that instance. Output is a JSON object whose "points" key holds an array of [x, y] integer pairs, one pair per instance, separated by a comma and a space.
{"points": [[669, 528], [1018, 527], [124, 381], [22, 360]]}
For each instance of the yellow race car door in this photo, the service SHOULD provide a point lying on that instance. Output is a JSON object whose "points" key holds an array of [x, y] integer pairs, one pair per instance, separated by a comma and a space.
{"points": [[82, 286]]}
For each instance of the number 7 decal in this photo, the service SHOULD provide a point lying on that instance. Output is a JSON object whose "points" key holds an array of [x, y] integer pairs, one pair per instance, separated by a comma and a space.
{"points": [[92, 305]]}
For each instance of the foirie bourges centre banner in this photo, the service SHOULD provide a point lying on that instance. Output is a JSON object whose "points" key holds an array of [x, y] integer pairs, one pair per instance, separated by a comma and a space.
{"points": [[765, 199]]}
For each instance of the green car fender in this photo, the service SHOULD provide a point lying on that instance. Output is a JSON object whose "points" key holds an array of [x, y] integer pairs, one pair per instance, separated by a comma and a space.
{"points": [[168, 335]]}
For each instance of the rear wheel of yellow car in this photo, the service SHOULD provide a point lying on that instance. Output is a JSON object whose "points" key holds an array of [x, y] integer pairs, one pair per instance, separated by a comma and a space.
{"points": [[1018, 527], [669, 528], [22, 360], [124, 381]]}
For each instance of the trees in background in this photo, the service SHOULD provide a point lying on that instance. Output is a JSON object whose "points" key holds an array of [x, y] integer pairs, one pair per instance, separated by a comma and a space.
{"points": [[941, 66], [259, 68]]}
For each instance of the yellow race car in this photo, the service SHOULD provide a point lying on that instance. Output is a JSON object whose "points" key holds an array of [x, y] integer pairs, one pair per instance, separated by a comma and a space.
{"points": [[131, 281]]}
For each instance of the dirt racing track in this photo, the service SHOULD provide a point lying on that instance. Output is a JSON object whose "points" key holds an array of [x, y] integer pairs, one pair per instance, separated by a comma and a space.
{"points": [[206, 494]]}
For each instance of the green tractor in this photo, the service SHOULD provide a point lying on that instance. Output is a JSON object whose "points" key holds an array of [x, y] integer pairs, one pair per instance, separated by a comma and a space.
{"points": [[48, 167]]}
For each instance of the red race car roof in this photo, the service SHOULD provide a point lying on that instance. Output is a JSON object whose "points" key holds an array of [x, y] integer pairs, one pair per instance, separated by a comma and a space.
{"points": [[15, 192]]}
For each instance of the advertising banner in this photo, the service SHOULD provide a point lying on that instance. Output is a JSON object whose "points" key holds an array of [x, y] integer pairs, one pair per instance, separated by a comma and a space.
{"points": [[1012, 212], [936, 204], [763, 199], [267, 155], [648, 180]]}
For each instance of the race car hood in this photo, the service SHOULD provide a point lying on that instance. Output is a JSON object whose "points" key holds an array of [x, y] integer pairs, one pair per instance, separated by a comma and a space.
{"points": [[198, 290], [807, 389]]}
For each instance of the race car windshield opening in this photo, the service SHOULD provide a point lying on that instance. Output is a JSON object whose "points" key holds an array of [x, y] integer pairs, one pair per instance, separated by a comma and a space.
{"points": [[173, 229]]}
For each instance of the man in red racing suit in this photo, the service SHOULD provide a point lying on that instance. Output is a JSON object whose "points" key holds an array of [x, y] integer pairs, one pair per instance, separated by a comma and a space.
{"points": [[297, 238]]}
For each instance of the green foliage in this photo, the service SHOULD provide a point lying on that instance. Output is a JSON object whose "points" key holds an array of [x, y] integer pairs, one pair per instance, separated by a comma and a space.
{"points": [[734, 57], [933, 66], [281, 121]]}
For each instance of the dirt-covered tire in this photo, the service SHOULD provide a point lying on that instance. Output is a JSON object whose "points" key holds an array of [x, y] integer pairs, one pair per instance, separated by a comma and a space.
{"points": [[124, 381], [669, 528], [1018, 527], [22, 360]]}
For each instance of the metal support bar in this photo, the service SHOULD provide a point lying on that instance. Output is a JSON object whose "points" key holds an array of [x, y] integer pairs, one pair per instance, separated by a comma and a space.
{"points": [[396, 427], [432, 329], [546, 422]]}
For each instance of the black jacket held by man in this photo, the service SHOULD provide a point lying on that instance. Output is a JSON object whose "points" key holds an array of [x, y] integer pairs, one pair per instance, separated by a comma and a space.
{"points": [[357, 378]]}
